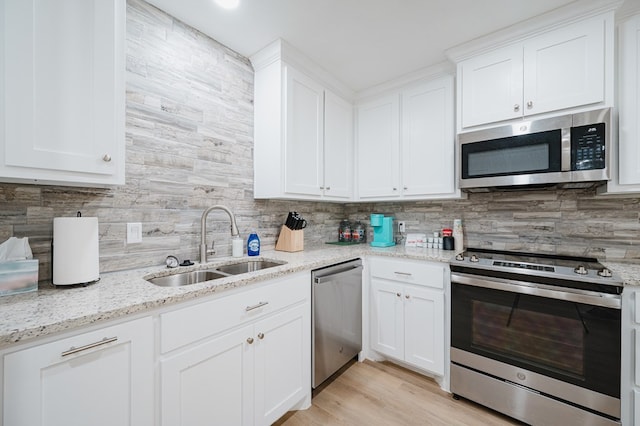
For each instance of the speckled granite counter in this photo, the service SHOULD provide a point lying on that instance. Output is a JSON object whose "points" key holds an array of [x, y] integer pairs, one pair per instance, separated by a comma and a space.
{"points": [[51, 310]]}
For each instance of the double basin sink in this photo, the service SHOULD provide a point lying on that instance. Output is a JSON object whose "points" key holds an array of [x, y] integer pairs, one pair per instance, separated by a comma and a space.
{"points": [[202, 275]]}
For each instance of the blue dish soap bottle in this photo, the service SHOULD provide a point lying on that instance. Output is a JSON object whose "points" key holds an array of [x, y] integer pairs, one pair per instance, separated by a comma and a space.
{"points": [[253, 245]]}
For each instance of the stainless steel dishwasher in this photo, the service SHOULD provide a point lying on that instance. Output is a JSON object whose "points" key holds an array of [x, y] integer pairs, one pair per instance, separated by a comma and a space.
{"points": [[336, 318]]}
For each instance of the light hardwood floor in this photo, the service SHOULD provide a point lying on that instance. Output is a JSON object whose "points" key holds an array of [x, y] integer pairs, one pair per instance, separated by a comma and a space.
{"points": [[372, 393]]}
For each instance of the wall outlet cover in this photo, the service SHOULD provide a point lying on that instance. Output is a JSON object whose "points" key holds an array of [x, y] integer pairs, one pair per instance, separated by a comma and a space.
{"points": [[134, 233], [401, 227]]}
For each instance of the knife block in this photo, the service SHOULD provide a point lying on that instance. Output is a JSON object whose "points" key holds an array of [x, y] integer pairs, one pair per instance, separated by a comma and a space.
{"points": [[290, 240]]}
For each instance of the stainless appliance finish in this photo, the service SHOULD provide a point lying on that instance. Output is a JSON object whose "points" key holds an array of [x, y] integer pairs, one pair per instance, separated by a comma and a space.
{"points": [[537, 337], [544, 152], [336, 318]]}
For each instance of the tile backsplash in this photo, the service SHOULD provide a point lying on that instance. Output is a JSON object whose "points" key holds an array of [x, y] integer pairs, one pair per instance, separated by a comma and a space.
{"points": [[189, 145]]}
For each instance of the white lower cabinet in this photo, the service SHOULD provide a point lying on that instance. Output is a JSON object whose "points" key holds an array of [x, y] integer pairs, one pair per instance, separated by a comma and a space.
{"points": [[408, 313], [103, 377], [250, 373]]}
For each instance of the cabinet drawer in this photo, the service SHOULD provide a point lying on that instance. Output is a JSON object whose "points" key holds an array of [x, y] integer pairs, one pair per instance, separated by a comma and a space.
{"points": [[190, 324], [406, 271]]}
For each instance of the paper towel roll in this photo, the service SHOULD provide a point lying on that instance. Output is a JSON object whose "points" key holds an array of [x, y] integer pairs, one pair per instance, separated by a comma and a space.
{"points": [[75, 250]]}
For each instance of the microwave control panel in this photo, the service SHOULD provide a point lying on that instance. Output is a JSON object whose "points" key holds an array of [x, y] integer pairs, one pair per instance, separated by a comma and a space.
{"points": [[588, 147]]}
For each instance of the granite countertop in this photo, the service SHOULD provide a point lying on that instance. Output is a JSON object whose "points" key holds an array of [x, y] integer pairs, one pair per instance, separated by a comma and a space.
{"points": [[51, 310], [117, 294]]}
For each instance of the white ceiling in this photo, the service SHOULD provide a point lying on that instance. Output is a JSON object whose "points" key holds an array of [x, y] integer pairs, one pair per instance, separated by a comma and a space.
{"points": [[362, 43]]}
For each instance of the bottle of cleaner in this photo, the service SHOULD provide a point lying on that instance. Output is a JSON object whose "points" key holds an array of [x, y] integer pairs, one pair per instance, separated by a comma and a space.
{"points": [[253, 245]]}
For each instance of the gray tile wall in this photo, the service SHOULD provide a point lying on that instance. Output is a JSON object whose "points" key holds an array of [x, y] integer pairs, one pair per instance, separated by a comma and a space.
{"points": [[189, 127], [576, 222]]}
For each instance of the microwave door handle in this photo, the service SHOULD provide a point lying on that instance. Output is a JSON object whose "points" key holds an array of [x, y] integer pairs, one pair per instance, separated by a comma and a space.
{"points": [[565, 155]]}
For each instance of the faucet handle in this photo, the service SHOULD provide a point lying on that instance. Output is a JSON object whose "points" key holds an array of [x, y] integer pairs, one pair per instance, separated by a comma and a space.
{"points": [[212, 249]]}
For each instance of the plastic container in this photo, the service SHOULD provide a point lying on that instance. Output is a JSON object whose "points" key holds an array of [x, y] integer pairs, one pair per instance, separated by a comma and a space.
{"points": [[253, 245], [236, 247]]}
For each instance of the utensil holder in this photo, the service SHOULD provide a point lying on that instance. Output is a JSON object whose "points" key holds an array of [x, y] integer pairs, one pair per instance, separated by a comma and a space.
{"points": [[290, 240]]}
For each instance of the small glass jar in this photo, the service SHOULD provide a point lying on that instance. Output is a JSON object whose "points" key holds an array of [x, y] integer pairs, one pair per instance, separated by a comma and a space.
{"points": [[344, 232]]}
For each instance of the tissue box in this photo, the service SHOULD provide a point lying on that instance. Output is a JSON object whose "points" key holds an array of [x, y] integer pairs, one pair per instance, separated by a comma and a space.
{"points": [[18, 276]]}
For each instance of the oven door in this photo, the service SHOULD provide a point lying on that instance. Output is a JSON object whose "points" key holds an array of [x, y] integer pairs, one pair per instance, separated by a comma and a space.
{"points": [[572, 341]]}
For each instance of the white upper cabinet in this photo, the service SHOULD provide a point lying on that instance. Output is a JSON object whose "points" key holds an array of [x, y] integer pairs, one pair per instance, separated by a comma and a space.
{"points": [[303, 139], [338, 147], [379, 148], [491, 87], [625, 164], [62, 92], [565, 68], [428, 141], [303, 133], [406, 143]]}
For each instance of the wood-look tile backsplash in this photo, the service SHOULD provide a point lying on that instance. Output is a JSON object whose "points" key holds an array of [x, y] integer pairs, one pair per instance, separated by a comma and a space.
{"points": [[189, 145]]}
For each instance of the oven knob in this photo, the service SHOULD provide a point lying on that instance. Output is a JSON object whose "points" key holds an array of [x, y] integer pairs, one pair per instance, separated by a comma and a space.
{"points": [[605, 272], [581, 270], [459, 256], [521, 376], [474, 258]]}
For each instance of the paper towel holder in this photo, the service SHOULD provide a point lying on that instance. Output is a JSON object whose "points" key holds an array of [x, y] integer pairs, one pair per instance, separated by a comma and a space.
{"points": [[75, 251]]}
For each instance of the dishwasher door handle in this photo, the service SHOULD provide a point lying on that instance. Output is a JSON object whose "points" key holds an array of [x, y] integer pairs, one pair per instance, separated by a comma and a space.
{"points": [[331, 277]]}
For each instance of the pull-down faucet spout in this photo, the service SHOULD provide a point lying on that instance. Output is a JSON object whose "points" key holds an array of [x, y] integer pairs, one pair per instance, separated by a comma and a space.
{"points": [[203, 230]]}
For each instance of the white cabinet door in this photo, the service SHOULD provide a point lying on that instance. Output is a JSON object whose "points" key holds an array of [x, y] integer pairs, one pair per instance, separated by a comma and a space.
{"points": [[62, 95], [109, 383], [304, 135], [282, 363], [338, 147], [211, 383], [428, 162], [378, 148], [424, 328], [555, 70], [387, 323], [491, 87], [565, 68], [626, 164]]}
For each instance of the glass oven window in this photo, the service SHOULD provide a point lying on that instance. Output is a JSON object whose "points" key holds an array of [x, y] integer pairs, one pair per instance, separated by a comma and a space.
{"points": [[572, 342], [538, 337]]}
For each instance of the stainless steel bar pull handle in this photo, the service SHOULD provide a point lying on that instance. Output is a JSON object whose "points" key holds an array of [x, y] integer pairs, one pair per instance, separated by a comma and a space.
{"points": [[72, 350], [259, 305], [406, 274]]}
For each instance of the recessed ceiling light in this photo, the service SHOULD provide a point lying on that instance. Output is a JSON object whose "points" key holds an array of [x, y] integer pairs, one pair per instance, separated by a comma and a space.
{"points": [[228, 4]]}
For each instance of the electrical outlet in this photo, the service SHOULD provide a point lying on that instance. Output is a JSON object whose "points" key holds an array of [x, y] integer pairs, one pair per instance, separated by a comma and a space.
{"points": [[134, 233], [401, 227]]}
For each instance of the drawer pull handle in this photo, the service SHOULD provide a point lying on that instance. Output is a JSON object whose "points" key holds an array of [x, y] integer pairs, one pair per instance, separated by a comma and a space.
{"points": [[260, 336], [398, 294], [249, 340], [259, 305], [407, 296], [406, 274], [73, 350]]}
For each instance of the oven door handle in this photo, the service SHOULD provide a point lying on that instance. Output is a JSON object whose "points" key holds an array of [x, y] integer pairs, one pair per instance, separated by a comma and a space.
{"points": [[534, 289]]}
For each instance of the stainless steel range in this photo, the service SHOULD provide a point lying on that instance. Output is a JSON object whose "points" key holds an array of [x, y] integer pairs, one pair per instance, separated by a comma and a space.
{"points": [[536, 337]]}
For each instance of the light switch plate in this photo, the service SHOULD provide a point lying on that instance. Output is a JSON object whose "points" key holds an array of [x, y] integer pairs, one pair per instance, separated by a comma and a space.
{"points": [[401, 227], [134, 233]]}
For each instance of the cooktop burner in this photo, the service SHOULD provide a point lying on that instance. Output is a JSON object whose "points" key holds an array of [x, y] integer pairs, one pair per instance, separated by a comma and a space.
{"points": [[514, 264]]}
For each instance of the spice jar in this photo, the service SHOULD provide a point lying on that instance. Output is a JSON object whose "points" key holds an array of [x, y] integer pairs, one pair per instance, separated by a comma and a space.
{"points": [[344, 232]]}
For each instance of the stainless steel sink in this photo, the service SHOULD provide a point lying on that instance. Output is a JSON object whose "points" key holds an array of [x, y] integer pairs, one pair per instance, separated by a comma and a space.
{"points": [[194, 277], [186, 278], [247, 266]]}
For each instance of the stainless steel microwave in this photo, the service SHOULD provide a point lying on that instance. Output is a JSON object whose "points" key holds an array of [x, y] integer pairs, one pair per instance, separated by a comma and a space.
{"points": [[570, 150]]}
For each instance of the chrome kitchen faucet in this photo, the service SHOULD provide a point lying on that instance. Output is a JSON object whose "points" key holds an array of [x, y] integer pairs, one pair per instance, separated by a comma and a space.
{"points": [[203, 230]]}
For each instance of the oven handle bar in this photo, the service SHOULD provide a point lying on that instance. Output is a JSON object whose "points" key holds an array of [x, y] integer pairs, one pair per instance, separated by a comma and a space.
{"points": [[535, 289]]}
